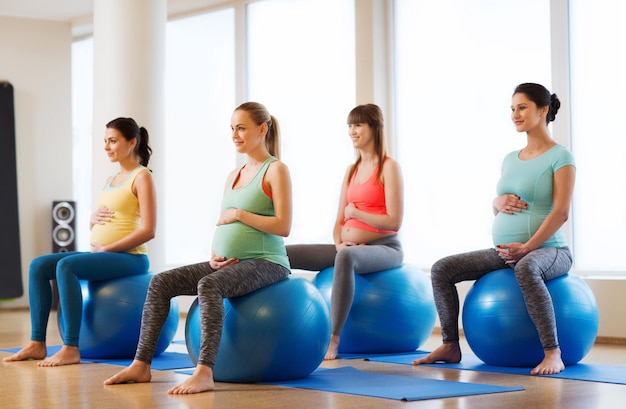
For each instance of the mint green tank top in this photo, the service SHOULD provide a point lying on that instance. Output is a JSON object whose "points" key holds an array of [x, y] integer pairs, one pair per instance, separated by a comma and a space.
{"points": [[240, 241]]}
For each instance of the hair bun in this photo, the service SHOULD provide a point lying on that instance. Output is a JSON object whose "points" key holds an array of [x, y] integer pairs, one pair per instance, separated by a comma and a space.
{"points": [[555, 104]]}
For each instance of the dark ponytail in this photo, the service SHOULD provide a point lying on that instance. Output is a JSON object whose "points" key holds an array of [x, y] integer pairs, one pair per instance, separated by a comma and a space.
{"points": [[129, 130], [143, 149]]}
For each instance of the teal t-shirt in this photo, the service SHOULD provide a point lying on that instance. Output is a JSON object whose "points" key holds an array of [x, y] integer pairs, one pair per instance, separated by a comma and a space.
{"points": [[532, 180], [240, 241]]}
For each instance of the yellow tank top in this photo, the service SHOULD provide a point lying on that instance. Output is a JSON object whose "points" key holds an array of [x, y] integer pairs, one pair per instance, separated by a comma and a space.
{"points": [[126, 219]]}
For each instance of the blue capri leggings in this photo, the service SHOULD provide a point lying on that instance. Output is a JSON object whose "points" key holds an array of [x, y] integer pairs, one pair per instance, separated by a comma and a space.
{"points": [[67, 269]]}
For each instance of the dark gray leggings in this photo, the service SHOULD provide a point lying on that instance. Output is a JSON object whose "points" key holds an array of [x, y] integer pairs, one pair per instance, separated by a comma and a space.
{"points": [[531, 272], [378, 255], [211, 287]]}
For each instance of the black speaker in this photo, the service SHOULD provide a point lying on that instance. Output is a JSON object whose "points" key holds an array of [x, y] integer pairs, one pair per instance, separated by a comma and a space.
{"points": [[63, 226], [11, 266]]}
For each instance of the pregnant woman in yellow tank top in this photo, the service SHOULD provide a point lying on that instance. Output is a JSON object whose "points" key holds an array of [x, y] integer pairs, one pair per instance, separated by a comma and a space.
{"points": [[124, 221]]}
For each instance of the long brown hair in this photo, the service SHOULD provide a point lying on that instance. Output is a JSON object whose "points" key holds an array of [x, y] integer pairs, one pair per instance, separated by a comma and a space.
{"points": [[372, 115]]}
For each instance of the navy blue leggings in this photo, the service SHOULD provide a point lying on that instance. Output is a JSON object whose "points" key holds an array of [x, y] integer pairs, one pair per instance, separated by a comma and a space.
{"points": [[67, 269]]}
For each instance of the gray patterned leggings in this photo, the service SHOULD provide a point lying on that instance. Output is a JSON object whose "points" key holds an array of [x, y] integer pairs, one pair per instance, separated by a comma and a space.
{"points": [[531, 272], [211, 287], [378, 255]]}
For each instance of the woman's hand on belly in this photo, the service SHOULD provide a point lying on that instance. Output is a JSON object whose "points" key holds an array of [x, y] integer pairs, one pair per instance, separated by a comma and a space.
{"points": [[352, 236], [512, 252], [220, 262], [97, 248], [509, 203]]}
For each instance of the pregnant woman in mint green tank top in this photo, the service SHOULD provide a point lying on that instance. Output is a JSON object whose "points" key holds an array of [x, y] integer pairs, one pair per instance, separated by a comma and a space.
{"points": [[248, 251], [533, 202]]}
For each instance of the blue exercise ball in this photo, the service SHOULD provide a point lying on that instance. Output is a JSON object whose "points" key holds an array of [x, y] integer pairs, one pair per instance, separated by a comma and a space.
{"points": [[500, 332], [392, 310], [111, 319], [276, 333]]}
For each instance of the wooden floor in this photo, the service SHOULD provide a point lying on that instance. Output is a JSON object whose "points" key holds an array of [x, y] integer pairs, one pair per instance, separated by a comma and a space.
{"points": [[24, 385]]}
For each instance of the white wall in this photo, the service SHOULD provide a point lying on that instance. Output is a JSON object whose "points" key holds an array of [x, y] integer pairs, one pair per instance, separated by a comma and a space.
{"points": [[35, 58]]}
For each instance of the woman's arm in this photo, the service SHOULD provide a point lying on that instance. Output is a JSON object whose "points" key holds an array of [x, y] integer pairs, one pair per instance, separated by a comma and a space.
{"points": [[143, 188], [394, 200], [341, 218], [278, 181]]}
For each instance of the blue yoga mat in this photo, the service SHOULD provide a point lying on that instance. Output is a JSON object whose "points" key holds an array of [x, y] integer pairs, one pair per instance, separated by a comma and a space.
{"points": [[581, 372], [165, 361], [355, 382], [366, 356]]}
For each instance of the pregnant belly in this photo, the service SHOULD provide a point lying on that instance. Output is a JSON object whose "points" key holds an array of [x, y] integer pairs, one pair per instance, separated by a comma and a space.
{"points": [[360, 236], [508, 228]]}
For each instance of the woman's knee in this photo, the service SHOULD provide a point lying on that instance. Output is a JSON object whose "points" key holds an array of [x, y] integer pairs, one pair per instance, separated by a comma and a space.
{"points": [[65, 269], [442, 268], [208, 284], [528, 270], [36, 269], [42, 268], [439, 266], [163, 286], [345, 257]]}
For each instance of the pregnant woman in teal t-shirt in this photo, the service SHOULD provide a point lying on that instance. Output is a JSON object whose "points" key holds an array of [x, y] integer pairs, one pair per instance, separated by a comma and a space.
{"points": [[533, 202]]}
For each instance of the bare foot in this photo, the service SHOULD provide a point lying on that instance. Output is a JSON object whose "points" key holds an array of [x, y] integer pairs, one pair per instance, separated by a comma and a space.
{"points": [[200, 381], [449, 352], [551, 364], [34, 350], [333, 348], [67, 355], [137, 372]]}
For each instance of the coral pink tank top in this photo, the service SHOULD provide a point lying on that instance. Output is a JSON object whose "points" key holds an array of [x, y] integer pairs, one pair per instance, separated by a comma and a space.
{"points": [[368, 196]]}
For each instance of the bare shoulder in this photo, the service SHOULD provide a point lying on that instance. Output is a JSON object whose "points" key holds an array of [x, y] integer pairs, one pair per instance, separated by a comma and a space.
{"points": [[392, 163], [391, 166], [143, 179], [277, 168], [144, 175]]}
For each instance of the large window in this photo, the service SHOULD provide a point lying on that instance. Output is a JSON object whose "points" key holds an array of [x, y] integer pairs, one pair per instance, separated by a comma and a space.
{"points": [[456, 65], [82, 113], [200, 98], [301, 66], [598, 64]]}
